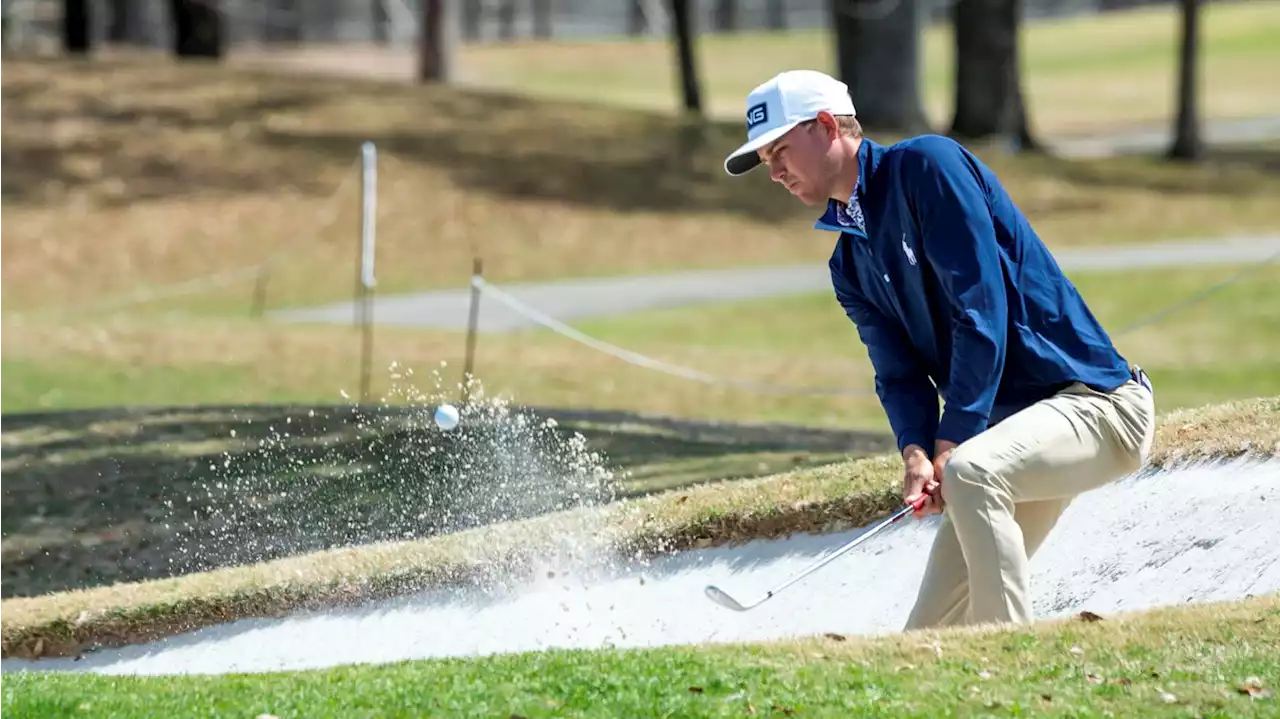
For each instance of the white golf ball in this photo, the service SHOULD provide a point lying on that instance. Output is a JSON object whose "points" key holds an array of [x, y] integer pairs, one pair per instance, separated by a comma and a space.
{"points": [[446, 416]]}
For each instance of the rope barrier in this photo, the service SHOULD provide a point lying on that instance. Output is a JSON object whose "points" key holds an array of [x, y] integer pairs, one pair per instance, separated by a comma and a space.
{"points": [[637, 359], [640, 360]]}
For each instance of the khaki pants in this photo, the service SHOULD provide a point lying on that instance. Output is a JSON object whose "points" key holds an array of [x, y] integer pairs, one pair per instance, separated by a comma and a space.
{"points": [[1004, 490]]}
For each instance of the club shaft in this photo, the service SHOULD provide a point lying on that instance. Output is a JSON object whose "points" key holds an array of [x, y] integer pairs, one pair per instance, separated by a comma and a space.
{"points": [[831, 557]]}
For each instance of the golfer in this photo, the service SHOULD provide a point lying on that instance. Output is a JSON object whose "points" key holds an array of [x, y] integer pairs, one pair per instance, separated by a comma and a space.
{"points": [[954, 294]]}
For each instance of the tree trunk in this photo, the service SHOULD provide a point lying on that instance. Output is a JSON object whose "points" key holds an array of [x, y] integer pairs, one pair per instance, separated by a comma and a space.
{"points": [[878, 57], [197, 28], [682, 26], [507, 19], [283, 21], [381, 22], [120, 27], [637, 22], [1187, 143], [77, 37], [434, 43], [472, 16], [726, 15], [988, 80], [541, 18], [776, 15]]}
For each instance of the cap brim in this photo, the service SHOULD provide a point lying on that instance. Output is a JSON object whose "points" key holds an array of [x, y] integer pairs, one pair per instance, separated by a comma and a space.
{"points": [[745, 158]]}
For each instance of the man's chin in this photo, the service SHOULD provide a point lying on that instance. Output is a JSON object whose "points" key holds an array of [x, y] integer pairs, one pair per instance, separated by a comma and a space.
{"points": [[808, 198]]}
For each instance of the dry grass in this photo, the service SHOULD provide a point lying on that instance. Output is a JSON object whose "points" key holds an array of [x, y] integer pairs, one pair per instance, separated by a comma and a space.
{"points": [[1223, 348], [1125, 78], [825, 498], [127, 173]]}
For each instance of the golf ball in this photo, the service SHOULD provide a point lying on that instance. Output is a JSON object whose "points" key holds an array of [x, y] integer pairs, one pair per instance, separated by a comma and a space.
{"points": [[446, 416]]}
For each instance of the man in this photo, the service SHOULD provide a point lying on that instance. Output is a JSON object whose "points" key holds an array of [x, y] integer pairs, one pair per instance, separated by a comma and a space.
{"points": [[953, 293]]}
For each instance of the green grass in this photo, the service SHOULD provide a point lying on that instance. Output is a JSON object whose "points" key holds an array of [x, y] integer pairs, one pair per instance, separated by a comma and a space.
{"points": [[76, 380], [1226, 347], [825, 498], [1222, 347], [95, 498], [1216, 660]]}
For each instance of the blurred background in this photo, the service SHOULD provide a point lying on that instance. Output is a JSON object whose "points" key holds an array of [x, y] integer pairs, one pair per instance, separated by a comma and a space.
{"points": [[236, 233]]}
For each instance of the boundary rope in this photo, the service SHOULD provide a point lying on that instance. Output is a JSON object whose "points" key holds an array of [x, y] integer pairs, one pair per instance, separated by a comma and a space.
{"points": [[637, 359]]}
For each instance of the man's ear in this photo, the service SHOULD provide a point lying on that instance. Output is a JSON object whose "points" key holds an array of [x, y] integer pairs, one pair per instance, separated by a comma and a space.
{"points": [[827, 121]]}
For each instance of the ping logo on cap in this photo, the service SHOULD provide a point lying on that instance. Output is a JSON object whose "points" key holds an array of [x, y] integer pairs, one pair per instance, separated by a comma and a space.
{"points": [[757, 115]]}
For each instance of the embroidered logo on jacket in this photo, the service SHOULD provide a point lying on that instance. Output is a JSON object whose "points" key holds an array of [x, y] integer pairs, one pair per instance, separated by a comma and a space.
{"points": [[911, 256]]}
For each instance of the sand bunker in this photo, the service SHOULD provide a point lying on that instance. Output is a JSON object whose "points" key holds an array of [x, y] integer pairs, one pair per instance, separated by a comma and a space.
{"points": [[1203, 533]]}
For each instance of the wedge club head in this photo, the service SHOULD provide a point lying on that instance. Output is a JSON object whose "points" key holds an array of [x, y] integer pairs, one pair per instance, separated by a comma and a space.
{"points": [[718, 596]]}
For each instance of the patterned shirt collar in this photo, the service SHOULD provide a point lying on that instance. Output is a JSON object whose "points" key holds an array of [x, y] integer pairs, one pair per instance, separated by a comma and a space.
{"points": [[851, 212]]}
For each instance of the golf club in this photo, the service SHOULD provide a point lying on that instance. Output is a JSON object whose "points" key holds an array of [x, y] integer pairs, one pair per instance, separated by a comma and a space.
{"points": [[719, 596]]}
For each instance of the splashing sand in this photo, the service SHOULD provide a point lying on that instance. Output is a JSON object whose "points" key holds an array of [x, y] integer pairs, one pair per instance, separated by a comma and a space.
{"points": [[304, 484], [1203, 533]]}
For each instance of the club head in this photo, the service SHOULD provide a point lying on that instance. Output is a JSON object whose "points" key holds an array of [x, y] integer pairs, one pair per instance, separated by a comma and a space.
{"points": [[718, 596]]}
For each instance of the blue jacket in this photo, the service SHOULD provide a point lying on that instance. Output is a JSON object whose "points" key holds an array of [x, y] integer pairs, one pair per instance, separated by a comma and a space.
{"points": [[953, 293]]}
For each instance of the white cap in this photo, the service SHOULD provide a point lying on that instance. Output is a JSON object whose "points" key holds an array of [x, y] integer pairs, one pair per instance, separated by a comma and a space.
{"points": [[784, 101]]}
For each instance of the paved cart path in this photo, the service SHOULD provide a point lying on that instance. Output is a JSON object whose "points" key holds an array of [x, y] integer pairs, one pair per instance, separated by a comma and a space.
{"points": [[576, 299]]}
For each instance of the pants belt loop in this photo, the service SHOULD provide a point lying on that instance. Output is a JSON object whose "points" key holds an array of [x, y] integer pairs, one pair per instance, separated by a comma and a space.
{"points": [[1141, 377]]}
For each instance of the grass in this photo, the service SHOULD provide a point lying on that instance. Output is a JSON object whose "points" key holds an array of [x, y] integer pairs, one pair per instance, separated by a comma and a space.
{"points": [[829, 497], [1214, 660], [238, 169], [1222, 348], [1125, 78], [99, 497], [126, 173]]}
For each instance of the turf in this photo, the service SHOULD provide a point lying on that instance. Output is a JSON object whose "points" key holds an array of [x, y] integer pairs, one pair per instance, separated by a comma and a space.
{"points": [[826, 498], [237, 170], [1215, 660], [118, 495], [1225, 347], [1126, 77]]}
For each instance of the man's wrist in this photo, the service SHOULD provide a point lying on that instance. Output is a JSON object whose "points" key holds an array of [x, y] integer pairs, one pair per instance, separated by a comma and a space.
{"points": [[913, 453]]}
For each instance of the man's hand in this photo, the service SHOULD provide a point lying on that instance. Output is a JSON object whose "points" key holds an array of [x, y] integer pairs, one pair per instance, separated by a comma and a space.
{"points": [[920, 478], [941, 453]]}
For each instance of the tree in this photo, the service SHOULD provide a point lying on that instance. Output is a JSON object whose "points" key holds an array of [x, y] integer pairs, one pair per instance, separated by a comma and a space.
{"points": [[726, 15], [381, 22], [472, 15], [637, 21], [506, 19], [542, 18], [282, 21], [988, 80], [682, 26], [123, 21], [878, 57], [434, 43], [775, 15], [197, 28], [1187, 142], [77, 37]]}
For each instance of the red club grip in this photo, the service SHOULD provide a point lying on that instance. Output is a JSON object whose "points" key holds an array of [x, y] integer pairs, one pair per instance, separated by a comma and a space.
{"points": [[920, 501]]}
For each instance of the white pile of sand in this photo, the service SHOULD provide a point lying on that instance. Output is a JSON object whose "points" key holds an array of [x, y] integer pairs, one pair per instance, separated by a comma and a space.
{"points": [[1198, 534]]}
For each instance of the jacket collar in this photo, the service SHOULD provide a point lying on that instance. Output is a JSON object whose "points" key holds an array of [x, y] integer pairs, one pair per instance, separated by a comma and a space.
{"points": [[869, 156]]}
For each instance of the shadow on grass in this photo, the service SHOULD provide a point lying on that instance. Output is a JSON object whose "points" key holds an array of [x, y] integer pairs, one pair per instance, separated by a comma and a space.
{"points": [[98, 497], [125, 130], [1225, 171]]}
